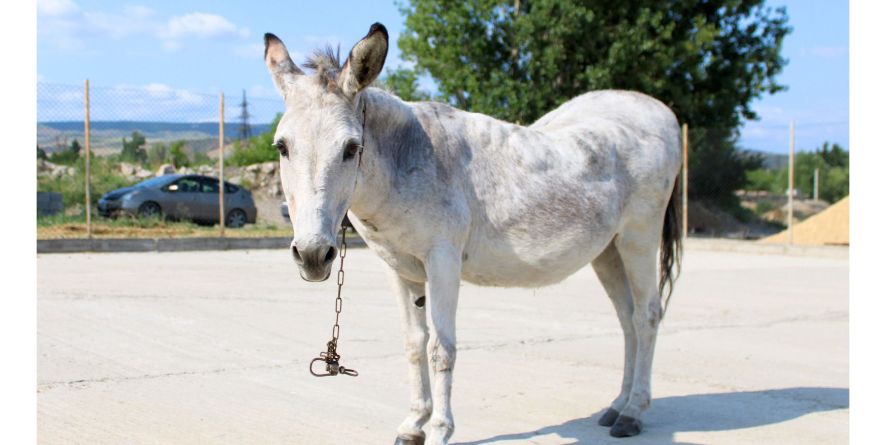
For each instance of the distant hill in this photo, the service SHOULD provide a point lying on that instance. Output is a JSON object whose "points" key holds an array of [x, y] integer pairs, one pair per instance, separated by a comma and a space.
{"points": [[106, 136]]}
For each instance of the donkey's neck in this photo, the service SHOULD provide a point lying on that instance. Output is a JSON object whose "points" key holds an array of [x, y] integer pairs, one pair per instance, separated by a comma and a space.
{"points": [[385, 115]]}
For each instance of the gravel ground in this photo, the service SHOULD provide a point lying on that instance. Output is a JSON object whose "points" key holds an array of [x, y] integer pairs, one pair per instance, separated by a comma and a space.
{"points": [[213, 347]]}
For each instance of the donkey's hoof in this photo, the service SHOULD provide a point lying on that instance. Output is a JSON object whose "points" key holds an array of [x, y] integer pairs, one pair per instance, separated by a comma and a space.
{"points": [[608, 418], [626, 427], [416, 440]]}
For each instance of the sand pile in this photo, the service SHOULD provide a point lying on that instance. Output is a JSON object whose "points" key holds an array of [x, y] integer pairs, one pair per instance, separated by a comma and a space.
{"points": [[830, 227]]}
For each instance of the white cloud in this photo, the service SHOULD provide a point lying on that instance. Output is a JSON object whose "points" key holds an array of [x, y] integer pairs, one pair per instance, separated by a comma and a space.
{"points": [[200, 24], [63, 25], [56, 7], [159, 93], [132, 21]]}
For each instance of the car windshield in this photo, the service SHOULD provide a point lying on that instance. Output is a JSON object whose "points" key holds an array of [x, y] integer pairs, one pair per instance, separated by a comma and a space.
{"points": [[154, 182]]}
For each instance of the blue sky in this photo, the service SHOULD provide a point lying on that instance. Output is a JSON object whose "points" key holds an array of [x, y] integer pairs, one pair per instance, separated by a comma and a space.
{"points": [[178, 51]]}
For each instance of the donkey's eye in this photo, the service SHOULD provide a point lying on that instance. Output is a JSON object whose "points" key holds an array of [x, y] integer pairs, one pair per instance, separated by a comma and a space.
{"points": [[282, 148], [351, 150]]}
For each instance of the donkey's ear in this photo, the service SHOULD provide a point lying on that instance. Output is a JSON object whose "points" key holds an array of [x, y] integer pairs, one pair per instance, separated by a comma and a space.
{"points": [[365, 61], [282, 69]]}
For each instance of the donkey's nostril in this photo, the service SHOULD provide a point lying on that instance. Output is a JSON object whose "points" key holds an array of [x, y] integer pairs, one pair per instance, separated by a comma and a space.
{"points": [[330, 255], [296, 256]]}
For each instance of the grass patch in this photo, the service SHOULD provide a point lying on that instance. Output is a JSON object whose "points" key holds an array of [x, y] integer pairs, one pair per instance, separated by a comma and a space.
{"points": [[61, 227]]}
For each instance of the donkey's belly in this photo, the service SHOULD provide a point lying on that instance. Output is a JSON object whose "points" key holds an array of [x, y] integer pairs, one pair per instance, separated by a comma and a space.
{"points": [[529, 264]]}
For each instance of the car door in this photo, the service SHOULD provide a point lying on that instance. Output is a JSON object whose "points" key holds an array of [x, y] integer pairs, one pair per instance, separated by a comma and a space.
{"points": [[207, 202], [182, 198]]}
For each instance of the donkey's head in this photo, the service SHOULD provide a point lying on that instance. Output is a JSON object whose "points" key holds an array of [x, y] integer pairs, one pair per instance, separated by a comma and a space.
{"points": [[319, 139]]}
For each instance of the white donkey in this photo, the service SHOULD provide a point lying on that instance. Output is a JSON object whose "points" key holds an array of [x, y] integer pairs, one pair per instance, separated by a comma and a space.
{"points": [[443, 195]]}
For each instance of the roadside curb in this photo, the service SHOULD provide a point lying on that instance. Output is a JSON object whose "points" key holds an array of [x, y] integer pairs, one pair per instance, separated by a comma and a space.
{"points": [[166, 244], [216, 243], [158, 244], [739, 246]]}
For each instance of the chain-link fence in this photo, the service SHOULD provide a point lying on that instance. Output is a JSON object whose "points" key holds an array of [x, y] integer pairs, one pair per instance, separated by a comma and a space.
{"points": [[737, 183], [136, 133]]}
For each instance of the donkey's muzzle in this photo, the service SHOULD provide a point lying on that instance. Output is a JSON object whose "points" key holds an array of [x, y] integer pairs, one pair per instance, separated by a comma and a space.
{"points": [[314, 262]]}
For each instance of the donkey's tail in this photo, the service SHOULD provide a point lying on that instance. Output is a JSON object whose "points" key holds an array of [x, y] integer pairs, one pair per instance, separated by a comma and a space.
{"points": [[671, 253]]}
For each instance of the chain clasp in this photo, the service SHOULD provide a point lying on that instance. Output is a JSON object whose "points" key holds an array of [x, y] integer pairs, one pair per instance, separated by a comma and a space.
{"points": [[330, 357]]}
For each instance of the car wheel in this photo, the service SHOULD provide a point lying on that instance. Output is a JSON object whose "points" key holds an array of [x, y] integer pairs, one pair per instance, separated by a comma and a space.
{"points": [[149, 209], [236, 218]]}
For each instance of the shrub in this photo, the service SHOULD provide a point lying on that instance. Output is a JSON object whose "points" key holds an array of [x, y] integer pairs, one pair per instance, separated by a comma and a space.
{"points": [[257, 149]]}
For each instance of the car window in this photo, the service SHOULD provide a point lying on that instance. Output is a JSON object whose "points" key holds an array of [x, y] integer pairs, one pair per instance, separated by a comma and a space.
{"points": [[186, 185], [208, 185], [231, 188]]}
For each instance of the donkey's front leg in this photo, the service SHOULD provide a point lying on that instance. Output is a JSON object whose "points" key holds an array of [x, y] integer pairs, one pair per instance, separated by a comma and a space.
{"points": [[443, 267], [410, 296]]}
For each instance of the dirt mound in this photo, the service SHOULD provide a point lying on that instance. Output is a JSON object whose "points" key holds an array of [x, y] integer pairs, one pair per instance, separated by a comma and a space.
{"points": [[803, 209], [830, 227]]}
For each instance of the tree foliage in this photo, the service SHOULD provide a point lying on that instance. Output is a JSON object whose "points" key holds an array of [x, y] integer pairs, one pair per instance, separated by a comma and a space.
{"points": [[404, 83], [134, 149], [518, 60], [257, 148], [832, 163], [68, 156]]}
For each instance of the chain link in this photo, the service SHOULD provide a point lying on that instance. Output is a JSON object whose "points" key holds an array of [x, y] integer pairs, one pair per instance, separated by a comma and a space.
{"points": [[342, 252], [331, 356]]}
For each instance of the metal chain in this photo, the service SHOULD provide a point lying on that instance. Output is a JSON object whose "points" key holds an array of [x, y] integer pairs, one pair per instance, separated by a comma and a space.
{"points": [[343, 251], [331, 356]]}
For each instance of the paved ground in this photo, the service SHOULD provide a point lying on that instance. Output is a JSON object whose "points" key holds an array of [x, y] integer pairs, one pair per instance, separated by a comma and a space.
{"points": [[212, 348]]}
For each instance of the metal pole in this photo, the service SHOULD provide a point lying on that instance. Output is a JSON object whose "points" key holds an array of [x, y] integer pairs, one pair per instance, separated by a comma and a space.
{"points": [[815, 185], [221, 163], [87, 173], [685, 197], [791, 188]]}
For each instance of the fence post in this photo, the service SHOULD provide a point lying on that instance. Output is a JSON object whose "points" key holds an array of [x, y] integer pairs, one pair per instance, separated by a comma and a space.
{"points": [[791, 188], [87, 166], [685, 197], [221, 163]]}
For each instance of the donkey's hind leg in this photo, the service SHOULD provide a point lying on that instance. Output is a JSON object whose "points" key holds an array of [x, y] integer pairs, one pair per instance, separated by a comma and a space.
{"points": [[611, 272], [410, 296], [639, 253]]}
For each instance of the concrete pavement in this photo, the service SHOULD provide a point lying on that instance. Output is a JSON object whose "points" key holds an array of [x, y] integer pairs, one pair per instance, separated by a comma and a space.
{"points": [[213, 347]]}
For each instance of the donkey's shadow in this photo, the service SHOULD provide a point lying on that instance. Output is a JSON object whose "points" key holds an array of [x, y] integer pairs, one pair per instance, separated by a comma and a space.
{"points": [[700, 412]]}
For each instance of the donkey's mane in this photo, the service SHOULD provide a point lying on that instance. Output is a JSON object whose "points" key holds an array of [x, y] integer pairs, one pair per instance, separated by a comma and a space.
{"points": [[326, 63]]}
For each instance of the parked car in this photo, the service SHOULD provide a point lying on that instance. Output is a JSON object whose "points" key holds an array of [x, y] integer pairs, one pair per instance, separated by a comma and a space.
{"points": [[284, 210], [191, 197]]}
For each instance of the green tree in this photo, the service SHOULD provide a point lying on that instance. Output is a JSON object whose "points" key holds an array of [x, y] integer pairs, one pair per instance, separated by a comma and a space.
{"points": [[404, 83], [158, 154], [177, 154], [134, 149], [517, 60], [257, 148], [834, 155], [68, 156], [41, 153], [832, 163]]}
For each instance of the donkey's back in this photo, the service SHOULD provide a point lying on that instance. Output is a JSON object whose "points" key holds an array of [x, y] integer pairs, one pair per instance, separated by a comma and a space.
{"points": [[550, 197]]}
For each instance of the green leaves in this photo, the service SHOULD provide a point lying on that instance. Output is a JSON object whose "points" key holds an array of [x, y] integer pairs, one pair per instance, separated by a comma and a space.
{"points": [[257, 149], [518, 60]]}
